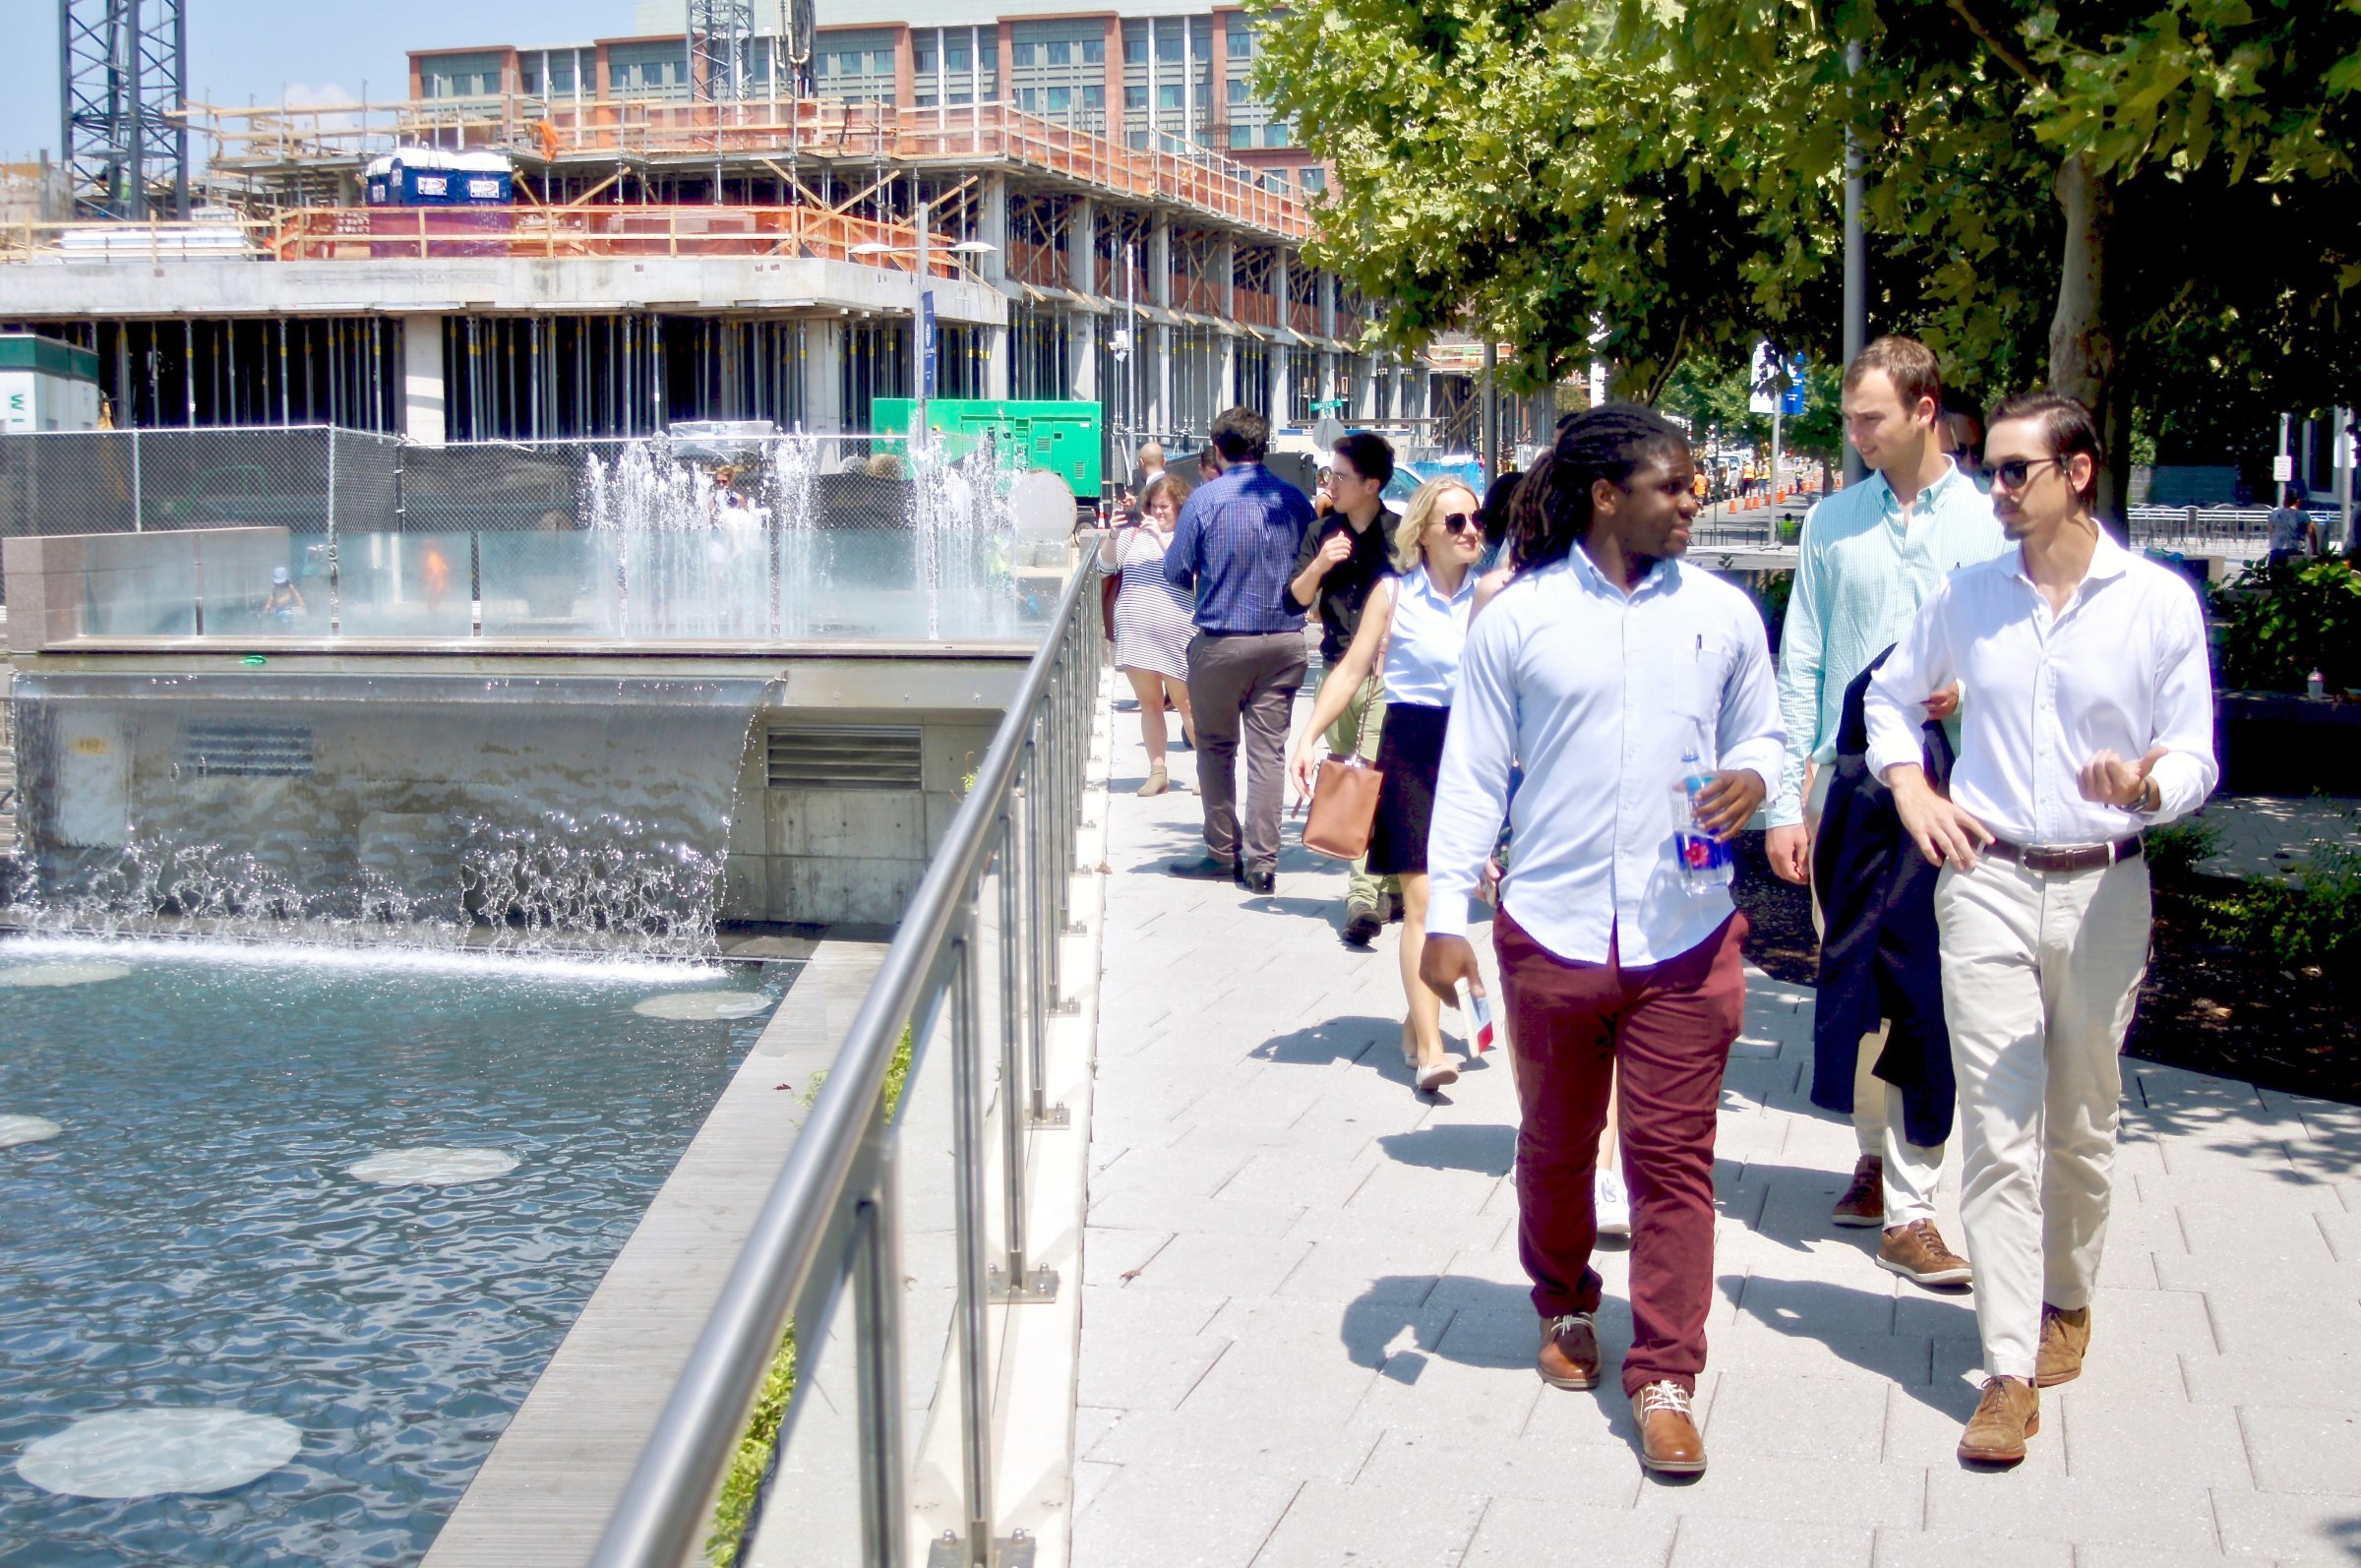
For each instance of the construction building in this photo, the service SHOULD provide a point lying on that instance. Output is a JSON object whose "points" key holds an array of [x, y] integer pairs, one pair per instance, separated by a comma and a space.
{"points": [[724, 224]]}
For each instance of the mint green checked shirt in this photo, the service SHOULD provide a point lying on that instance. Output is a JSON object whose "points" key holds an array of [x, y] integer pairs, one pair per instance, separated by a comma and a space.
{"points": [[1864, 571]]}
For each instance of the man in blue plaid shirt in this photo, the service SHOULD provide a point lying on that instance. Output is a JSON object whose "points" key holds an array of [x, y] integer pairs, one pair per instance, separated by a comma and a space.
{"points": [[1235, 544]]}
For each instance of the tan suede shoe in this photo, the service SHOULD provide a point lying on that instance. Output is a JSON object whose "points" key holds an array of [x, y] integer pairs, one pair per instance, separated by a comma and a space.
{"points": [[1864, 1201], [2065, 1337], [2009, 1412], [1916, 1251], [1569, 1355], [1669, 1441]]}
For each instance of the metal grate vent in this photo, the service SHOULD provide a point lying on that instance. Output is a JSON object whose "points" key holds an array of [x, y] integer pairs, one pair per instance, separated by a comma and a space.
{"points": [[247, 751], [845, 756]]}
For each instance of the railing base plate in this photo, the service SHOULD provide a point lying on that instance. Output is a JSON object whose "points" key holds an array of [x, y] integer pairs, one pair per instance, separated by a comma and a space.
{"points": [[1053, 1117], [1007, 1551], [1036, 1288]]}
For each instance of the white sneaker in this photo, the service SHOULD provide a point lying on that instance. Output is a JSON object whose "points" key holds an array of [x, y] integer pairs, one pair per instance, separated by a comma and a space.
{"points": [[1612, 1204]]}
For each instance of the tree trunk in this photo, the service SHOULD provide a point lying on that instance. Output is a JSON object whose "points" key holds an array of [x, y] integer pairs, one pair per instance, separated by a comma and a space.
{"points": [[2081, 343]]}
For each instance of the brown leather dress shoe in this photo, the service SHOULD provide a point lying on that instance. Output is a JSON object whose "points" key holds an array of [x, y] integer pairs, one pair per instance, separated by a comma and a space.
{"points": [[2009, 1412], [1669, 1438], [1864, 1202], [1916, 1252], [1569, 1357], [2065, 1337]]}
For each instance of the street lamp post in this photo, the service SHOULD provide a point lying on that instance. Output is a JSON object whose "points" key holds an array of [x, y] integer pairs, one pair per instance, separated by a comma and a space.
{"points": [[1856, 266]]}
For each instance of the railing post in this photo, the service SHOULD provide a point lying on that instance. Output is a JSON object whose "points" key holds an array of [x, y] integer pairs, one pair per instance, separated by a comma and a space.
{"points": [[1016, 1283], [878, 1319], [975, 1333], [1019, 974]]}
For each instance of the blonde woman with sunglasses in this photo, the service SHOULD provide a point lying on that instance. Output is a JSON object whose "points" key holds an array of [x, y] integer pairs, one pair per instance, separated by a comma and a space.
{"points": [[1412, 628]]}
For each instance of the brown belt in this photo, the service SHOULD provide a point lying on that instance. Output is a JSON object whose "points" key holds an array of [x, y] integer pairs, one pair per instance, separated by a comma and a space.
{"points": [[2087, 858]]}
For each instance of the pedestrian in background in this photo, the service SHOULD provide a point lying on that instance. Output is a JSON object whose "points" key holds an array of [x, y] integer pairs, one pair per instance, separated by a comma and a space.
{"points": [[1617, 961], [2090, 716], [1963, 439], [1152, 620], [1235, 547], [1870, 555], [2294, 536], [1343, 558], [1410, 637]]}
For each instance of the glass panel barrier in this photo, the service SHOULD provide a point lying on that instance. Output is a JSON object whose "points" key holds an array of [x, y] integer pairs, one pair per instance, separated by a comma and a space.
{"points": [[140, 586], [694, 582], [563, 584], [809, 1505], [412, 586]]}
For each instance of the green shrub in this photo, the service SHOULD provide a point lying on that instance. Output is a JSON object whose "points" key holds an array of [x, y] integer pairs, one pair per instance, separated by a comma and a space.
{"points": [[2278, 624], [2174, 847], [2309, 921]]}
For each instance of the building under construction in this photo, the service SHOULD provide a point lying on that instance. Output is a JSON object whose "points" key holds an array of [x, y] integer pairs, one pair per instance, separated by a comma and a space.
{"points": [[724, 221]]}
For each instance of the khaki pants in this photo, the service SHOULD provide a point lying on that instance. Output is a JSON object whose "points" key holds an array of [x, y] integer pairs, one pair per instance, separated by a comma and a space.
{"points": [[2039, 975], [1355, 734], [1912, 1170]]}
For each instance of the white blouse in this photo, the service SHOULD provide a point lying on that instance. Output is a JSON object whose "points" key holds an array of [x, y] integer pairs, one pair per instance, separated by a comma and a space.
{"points": [[1425, 641]]}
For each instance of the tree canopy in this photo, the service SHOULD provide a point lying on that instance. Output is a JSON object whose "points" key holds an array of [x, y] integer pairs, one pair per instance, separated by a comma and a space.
{"points": [[2151, 203]]}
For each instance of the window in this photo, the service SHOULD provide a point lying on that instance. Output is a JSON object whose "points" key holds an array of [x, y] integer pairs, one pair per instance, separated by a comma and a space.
{"points": [[1094, 52], [1020, 53], [1277, 134], [1242, 136], [1060, 100], [858, 66], [648, 71], [1094, 96], [1168, 96], [1135, 45], [1316, 180], [1237, 90], [1241, 39], [1060, 52], [460, 76], [1136, 98]]}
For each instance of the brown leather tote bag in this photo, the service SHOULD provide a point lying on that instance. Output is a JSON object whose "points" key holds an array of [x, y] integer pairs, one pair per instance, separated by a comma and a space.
{"points": [[1344, 807]]}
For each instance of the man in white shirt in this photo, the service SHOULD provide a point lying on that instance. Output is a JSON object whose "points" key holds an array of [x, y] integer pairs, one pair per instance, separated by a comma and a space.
{"points": [[2090, 716], [1871, 553], [1612, 669]]}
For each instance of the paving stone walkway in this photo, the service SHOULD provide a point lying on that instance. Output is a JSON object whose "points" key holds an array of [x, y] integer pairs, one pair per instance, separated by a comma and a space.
{"points": [[1306, 1338]]}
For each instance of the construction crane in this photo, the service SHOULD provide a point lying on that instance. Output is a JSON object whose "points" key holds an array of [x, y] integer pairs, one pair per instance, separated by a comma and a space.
{"points": [[124, 73], [721, 50]]}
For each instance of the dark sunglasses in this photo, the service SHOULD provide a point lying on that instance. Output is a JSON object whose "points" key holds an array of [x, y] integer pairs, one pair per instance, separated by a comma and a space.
{"points": [[1458, 522], [2016, 470]]}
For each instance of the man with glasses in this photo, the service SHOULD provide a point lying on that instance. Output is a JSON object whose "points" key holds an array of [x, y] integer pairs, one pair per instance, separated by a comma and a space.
{"points": [[2090, 716], [1870, 555], [1963, 439], [1342, 559]]}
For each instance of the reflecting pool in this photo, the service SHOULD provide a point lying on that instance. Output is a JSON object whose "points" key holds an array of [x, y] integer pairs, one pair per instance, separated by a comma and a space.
{"points": [[353, 1199]]}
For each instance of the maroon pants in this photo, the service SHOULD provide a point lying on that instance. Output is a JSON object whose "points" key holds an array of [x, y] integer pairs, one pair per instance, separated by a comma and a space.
{"points": [[1667, 1030]]}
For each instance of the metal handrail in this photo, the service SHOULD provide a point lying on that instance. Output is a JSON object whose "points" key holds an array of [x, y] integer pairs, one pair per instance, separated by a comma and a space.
{"points": [[1024, 800]]}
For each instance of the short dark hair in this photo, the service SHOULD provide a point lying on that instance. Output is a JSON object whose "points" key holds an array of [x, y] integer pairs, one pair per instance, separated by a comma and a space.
{"points": [[2067, 424], [1372, 457], [1495, 504], [1241, 435], [1908, 363], [1552, 507]]}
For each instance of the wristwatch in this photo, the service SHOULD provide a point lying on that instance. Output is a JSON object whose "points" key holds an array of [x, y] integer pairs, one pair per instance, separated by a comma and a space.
{"points": [[2150, 801]]}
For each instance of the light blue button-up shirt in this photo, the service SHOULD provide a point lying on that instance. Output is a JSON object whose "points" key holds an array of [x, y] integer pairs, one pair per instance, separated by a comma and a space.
{"points": [[1866, 567], [1598, 693]]}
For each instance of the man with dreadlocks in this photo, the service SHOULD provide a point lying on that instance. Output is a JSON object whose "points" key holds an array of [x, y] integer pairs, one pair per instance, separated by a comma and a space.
{"points": [[1602, 668]]}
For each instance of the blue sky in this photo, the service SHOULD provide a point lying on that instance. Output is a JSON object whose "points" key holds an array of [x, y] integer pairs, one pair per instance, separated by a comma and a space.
{"points": [[316, 49]]}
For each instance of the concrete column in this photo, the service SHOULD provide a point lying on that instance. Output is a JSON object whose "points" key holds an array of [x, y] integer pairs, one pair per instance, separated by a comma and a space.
{"points": [[1282, 384], [992, 227], [1224, 267], [423, 407], [1229, 388], [1082, 356], [1160, 263], [1161, 414], [1082, 246], [1327, 298], [996, 363], [823, 375]]}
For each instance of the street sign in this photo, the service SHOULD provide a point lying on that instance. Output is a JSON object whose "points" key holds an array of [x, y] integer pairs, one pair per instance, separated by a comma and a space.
{"points": [[1772, 388]]}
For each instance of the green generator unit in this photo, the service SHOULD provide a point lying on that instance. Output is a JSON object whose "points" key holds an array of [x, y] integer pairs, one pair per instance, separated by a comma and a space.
{"points": [[1059, 438]]}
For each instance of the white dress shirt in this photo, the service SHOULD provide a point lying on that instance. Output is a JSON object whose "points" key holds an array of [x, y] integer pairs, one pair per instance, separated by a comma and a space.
{"points": [[1599, 695], [1426, 638], [2122, 668]]}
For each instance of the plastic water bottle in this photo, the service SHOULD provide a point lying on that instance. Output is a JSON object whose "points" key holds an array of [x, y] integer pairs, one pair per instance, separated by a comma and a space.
{"points": [[2314, 686], [1706, 861]]}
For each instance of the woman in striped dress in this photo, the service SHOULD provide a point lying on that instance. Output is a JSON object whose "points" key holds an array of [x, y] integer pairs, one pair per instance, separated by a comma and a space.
{"points": [[1153, 620]]}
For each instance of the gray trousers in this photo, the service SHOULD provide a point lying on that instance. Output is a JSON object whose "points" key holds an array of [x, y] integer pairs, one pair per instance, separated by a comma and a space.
{"points": [[1243, 682]]}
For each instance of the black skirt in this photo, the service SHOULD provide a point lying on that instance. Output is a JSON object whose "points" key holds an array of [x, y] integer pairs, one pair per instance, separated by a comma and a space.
{"points": [[1410, 753]]}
